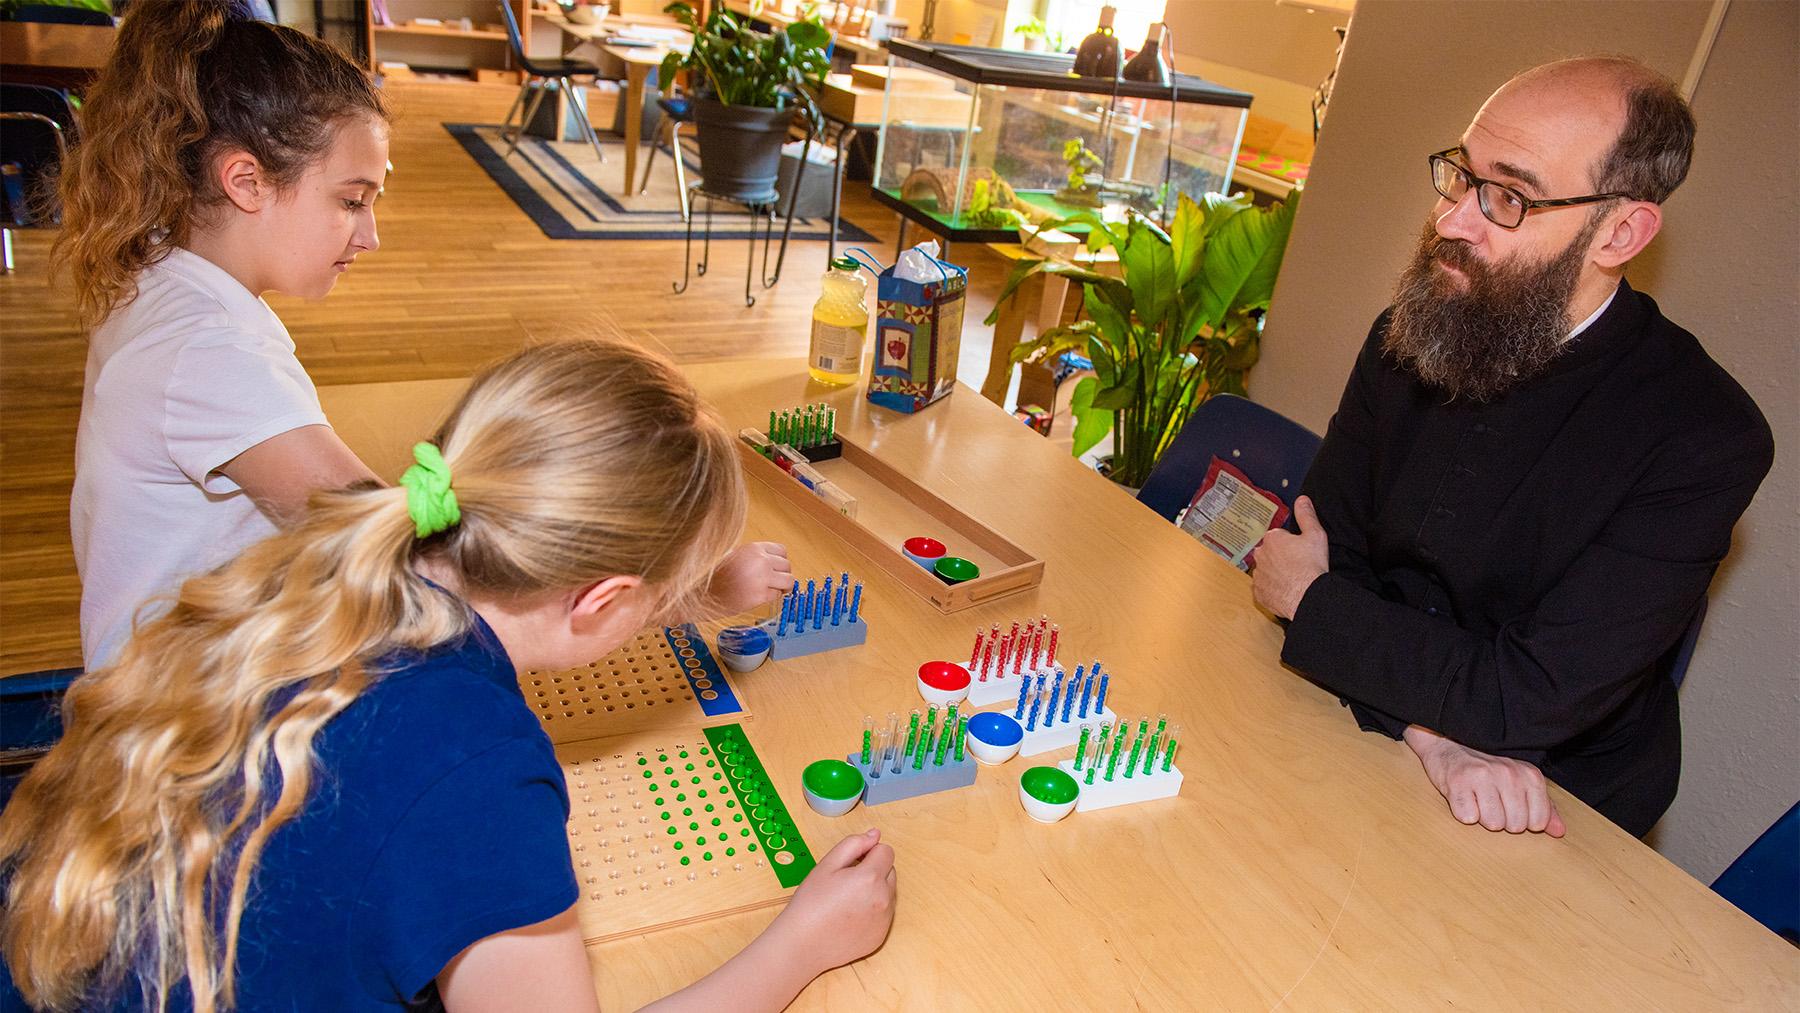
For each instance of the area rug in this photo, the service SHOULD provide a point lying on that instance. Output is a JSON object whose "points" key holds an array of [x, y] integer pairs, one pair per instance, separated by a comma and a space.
{"points": [[565, 189]]}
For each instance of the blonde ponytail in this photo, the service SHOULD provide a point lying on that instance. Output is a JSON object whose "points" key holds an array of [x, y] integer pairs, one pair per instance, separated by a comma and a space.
{"points": [[140, 832], [184, 82]]}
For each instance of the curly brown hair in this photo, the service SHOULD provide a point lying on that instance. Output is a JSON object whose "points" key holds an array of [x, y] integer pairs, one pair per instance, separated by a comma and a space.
{"points": [[186, 81]]}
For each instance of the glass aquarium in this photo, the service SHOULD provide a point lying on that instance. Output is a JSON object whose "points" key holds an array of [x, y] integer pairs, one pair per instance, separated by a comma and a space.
{"points": [[977, 142]]}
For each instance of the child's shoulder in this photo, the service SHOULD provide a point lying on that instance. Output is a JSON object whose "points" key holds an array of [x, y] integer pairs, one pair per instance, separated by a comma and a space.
{"points": [[443, 706], [184, 300]]}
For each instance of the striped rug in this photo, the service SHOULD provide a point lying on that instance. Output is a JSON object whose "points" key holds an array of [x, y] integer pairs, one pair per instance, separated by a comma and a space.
{"points": [[562, 187]]}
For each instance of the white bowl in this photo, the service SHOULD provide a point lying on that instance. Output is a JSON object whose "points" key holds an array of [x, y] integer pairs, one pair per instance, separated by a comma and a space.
{"points": [[939, 683], [1058, 782], [994, 738], [743, 648]]}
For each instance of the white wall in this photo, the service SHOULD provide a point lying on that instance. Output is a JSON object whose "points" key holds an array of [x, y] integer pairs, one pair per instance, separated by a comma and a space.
{"points": [[1413, 74]]}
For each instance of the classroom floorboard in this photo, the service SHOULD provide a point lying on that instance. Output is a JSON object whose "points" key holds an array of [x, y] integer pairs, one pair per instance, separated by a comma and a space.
{"points": [[462, 276]]}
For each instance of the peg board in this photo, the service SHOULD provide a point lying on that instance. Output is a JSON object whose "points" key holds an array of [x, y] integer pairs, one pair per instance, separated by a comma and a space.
{"points": [[661, 679], [674, 826]]}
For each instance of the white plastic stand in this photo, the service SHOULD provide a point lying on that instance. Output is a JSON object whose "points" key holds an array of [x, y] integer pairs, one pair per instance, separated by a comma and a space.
{"points": [[1003, 687], [1122, 790], [1062, 734]]}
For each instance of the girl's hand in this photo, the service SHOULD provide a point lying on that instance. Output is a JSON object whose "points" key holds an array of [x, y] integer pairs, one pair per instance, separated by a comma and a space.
{"points": [[844, 908], [751, 575]]}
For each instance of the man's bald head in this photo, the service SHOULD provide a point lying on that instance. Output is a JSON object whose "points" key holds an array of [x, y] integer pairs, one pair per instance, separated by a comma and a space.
{"points": [[1652, 127]]}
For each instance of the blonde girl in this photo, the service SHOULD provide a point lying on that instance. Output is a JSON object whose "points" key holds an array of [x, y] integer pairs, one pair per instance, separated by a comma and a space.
{"points": [[220, 159], [313, 782]]}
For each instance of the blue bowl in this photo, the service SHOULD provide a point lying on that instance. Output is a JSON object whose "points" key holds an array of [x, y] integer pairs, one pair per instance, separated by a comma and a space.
{"points": [[743, 648], [994, 737]]}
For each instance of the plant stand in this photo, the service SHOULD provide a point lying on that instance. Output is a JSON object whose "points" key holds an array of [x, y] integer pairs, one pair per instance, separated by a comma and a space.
{"points": [[762, 208]]}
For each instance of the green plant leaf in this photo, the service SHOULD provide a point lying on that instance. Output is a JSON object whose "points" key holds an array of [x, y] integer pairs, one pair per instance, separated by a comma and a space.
{"points": [[1105, 365], [1123, 394], [1053, 342], [1149, 264], [808, 35], [1113, 323], [1242, 260], [1091, 423]]}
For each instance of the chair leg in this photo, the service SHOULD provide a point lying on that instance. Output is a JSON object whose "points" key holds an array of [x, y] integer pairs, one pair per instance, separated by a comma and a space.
{"points": [[6, 258], [518, 101], [530, 114], [581, 113], [681, 186], [644, 187]]}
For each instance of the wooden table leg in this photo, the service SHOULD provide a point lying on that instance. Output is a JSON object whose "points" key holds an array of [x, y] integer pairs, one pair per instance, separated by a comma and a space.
{"points": [[1008, 329], [635, 76]]}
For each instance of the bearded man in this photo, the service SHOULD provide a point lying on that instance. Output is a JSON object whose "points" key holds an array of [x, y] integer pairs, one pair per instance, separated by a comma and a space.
{"points": [[1532, 474]]}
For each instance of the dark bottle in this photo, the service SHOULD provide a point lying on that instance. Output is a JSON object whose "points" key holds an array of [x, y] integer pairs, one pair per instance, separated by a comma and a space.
{"points": [[1099, 52], [1149, 65]]}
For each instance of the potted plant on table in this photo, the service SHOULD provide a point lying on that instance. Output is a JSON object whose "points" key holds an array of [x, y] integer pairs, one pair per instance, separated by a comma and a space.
{"points": [[1180, 323], [746, 86]]}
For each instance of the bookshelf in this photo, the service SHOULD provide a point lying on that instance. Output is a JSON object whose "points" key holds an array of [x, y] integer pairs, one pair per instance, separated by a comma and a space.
{"points": [[446, 45]]}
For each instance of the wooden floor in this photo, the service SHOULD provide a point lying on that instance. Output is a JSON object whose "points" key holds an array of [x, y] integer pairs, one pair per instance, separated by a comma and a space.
{"points": [[462, 277]]}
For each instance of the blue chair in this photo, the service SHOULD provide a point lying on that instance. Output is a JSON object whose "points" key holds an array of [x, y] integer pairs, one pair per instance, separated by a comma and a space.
{"points": [[1684, 651], [1273, 450], [62, 14], [544, 73], [1764, 882], [37, 127], [30, 721]]}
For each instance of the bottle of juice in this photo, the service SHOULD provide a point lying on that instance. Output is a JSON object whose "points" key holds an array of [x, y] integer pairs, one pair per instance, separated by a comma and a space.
{"points": [[840, 322]]}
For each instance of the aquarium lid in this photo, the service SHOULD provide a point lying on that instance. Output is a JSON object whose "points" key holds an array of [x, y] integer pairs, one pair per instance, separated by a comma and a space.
{"points": [[1051, 71]]}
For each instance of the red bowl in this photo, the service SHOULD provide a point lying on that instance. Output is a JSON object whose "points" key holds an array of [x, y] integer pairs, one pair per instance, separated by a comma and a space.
{"points": [[929, 548], [944, 675]]}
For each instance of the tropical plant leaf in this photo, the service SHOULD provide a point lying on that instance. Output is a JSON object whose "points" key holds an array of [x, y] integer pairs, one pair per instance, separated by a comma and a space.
{"points": [[1113, 322], [1243, 258], [1091, 423], [1122, 394], [1054, 342], [1149, 265]]}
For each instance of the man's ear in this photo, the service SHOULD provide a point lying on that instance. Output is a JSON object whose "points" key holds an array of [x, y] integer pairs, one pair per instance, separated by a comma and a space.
{"points": [[1627, 234], [594, 599], [242, 180]]}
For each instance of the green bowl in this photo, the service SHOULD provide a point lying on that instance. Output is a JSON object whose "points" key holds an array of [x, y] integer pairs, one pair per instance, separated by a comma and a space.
{"points": [[832, 779], [955, 570], [1048, 793]]}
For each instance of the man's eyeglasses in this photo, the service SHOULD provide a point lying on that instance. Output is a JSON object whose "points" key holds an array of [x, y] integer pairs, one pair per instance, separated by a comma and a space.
{"points": [[1499, 203]]}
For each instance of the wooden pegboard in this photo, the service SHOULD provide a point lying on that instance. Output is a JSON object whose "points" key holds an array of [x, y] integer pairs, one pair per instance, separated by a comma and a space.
{"points": [[661, 679]]}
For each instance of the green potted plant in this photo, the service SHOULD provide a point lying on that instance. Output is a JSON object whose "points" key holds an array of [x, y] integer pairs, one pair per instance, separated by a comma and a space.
{"points": [[1036, 37], [745, 87], [1180, 324]]}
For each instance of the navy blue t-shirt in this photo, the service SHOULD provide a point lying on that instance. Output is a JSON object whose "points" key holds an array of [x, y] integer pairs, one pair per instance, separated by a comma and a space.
{"points": [[436, 817]]}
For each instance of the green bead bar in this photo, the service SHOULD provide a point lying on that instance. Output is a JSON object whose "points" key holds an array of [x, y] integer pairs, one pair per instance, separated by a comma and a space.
{"points": [[962, 732], [912, 734], [1081, 747]]}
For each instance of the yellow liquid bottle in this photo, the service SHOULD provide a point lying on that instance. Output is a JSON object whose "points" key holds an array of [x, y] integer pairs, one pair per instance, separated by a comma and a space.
{"points": [[840, 325]]}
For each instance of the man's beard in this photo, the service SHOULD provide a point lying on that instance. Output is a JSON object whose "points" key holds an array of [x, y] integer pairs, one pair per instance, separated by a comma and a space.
{"points": [[1505, 325]]}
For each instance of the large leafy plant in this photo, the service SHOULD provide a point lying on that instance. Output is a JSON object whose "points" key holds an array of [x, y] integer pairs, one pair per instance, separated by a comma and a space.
{"points": [[1180, 323], [739, 66]]}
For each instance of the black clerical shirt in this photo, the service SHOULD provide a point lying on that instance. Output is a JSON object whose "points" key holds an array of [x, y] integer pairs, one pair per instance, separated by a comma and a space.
{"points": [[1515, 575]]}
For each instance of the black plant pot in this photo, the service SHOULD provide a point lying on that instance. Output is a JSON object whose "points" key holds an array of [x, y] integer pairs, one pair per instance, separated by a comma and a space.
{"points": [[740, 148]]}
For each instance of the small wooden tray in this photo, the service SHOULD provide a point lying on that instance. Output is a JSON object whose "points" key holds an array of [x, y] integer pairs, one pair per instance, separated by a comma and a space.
{"points": [[891, 508]]}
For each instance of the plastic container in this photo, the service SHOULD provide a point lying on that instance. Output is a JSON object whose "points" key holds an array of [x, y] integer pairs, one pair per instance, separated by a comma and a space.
{"points": [[924, 551], [832, 787], [840, 325], [1048, 793], [955, 570], [943, 683], [744, 648], [994, 738]]}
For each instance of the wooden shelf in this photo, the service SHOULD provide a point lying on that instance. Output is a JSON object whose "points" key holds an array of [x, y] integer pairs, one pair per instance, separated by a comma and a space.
{"points": [[442, 30]]}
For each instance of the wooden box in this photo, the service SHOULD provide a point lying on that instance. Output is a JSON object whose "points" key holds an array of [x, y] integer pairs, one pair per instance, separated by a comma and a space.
{"points": [[910, 79], [890, 508], [849, 102]]}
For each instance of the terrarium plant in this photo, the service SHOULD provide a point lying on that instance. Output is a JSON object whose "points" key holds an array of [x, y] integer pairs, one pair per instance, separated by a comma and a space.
{"points": [[1182, 322]]}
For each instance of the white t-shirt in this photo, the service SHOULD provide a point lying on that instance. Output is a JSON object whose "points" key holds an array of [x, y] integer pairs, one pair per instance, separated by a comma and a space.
{"points": [[188, 375]]}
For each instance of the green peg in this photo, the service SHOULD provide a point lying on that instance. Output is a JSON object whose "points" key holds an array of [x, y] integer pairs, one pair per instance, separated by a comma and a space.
{"points": [[830, 424], [1169, 757], [912, 733], [930, 723], [962, 732], [1112, 761], [1162, 722], [1081, 747], [771, 423]]}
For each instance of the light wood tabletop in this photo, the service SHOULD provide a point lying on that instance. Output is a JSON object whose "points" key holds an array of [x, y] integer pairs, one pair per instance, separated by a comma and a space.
{"points": [[1305, 863]]}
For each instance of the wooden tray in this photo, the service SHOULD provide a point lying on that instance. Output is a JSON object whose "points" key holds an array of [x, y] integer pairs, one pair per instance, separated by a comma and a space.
{"points": [[891, 508]]}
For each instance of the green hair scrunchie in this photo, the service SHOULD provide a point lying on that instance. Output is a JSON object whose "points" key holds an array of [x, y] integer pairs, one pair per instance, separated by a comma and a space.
{"points": [[429, 498]]}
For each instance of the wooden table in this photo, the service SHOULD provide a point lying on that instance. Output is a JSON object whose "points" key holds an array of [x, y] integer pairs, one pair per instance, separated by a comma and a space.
{"points": [[1305, 864], [639, 61]]}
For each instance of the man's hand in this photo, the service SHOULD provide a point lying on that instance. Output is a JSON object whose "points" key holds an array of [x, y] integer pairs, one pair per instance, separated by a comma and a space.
{"points": [[751, 575], [1498, 793], [1285, 565]]}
